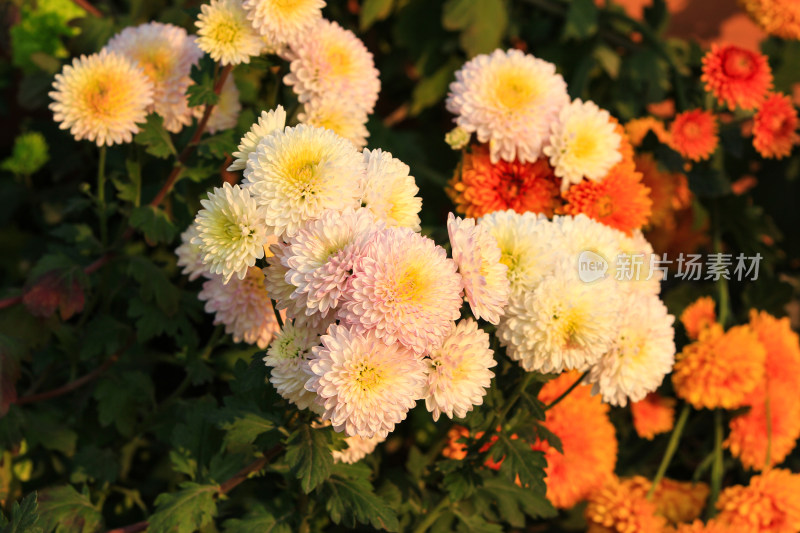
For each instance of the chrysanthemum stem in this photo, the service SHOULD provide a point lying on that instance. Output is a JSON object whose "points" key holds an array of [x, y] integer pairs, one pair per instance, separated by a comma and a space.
{"points": [[768, 410], [101, 195], [723, 294], [277, 313], [498, 418], [432, 515], [672, 446], [566, 392], [717, 467]]}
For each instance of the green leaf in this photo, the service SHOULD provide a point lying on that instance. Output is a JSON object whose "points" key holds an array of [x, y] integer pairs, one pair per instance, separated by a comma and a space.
{"points": [[121, 399], [308, 453], [218, 146], [656, 15], [261, 520], [30, 153], [350, 499], [65, 510], [155, 138], [48, 430], [130, 190], [462, 482], [373, 11], [475, 523], [186, 511], [153, 284], [201, 92], [154, 223], [520, 461], [513, 501], [608, 59], [581, 20], [431, 89], [244, 428], [24, 517], [482, 23]]}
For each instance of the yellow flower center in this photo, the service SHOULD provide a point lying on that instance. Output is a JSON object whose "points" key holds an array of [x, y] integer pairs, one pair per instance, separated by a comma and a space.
{"points": [[407, 287], [514, 92], [567, 326], [339, 60], [302, 173], [583, 145], [156, 63], [224, 32], [368, 377]]}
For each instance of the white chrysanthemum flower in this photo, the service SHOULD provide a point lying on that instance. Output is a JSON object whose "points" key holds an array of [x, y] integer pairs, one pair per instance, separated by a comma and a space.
{"points": [[190, 255], [584, 143], [288, 357], [388, 191], [225, 33], [268, 122], [477, 255], [459, 371], [299, 173], [282, 22], [643, 352], [365, 385], [231, 232], [405, 289], [580, 234], [166, 53], [509, 99], [639, 256], [563, 324], [357, 449], [243, 306], [321, 255], [333, 61], [101, 98], [529, 246], [343, 116], [225, 113]]}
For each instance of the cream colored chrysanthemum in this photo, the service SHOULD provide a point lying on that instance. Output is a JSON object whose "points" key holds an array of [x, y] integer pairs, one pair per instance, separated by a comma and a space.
{"points": [[333, 61], [357, 449], [101, 98], [268, 122], [225, 113], [643, 352], [637, 250], [388, 191], [225, 34], [299, 173], [528, 246], [243, 306], [288, 357], [231, 232], [405, 289], [190, 255], [578, 234], [459, 371], [584, 143], [321, 255], [166, 53], [282, 21], [343, 116], [485, 278], [563, 324], [509, 99], [365, 385]]}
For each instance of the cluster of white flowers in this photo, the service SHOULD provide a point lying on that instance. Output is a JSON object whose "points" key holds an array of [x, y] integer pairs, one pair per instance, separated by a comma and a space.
{"points": [[617, 330]]}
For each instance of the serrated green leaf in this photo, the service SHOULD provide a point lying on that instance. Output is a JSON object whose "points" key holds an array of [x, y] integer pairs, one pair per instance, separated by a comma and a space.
{"points": [[350, 499], [261, 520], [154, 223], [308, 454], [431, 89], [24, 516], [581, 21], [201, 92], [45, 429], [373, 11], [462, 482], [243, 429], [475, 523], [153, 284], [513, 501], [65, 510], [520, 461], [121, 399], [218, 146], [186, 511], [482, 23], [155, 138]]}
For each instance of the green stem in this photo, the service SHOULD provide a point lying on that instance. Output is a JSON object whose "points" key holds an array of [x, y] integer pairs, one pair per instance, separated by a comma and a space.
{"points": [[432, 515], [566, 392], [723, 294], [717, 467], [277, 313], [672, 446], [501, 416], [704, 465], [101, 195]]}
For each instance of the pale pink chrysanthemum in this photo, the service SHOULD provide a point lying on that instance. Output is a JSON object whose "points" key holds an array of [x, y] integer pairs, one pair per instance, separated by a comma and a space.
{"points": [[288, 357], [332, 60], [101, 98], [224, 32], [388, 190], [225, 113], [243, 306], [320, 257], [166, 53], [357, 449], [478, 256], [509, 99], [268, 122], [190, 255], [405, 289], [282, 22], [365, 385], [459, 371], [344, 116]]}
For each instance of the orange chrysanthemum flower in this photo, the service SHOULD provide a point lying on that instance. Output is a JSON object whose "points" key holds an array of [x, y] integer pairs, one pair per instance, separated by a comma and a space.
{"points": [[778, 17], [712, 526], [694, 134], [625, 146], [638, 128], [736, 76], [677, 501], [619, 200], [622, 506], [653, 415], [455, 449], [481, 187], [774, 127], [587, 439], [669, 191], [698, 316], [768, 504], [720, 369], [783, 349]]}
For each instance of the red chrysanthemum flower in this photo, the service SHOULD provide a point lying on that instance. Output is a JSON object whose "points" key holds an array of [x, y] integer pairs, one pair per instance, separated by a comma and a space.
{"points": [[774, 127], [638, 128], [736, 76], [694, 134], [653, 415], [619, 200], [480, 187]]}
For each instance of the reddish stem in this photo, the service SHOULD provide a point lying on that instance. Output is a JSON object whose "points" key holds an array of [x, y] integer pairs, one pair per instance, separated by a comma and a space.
{"points": [[71, 386], [89, 8], [8, 302]]}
